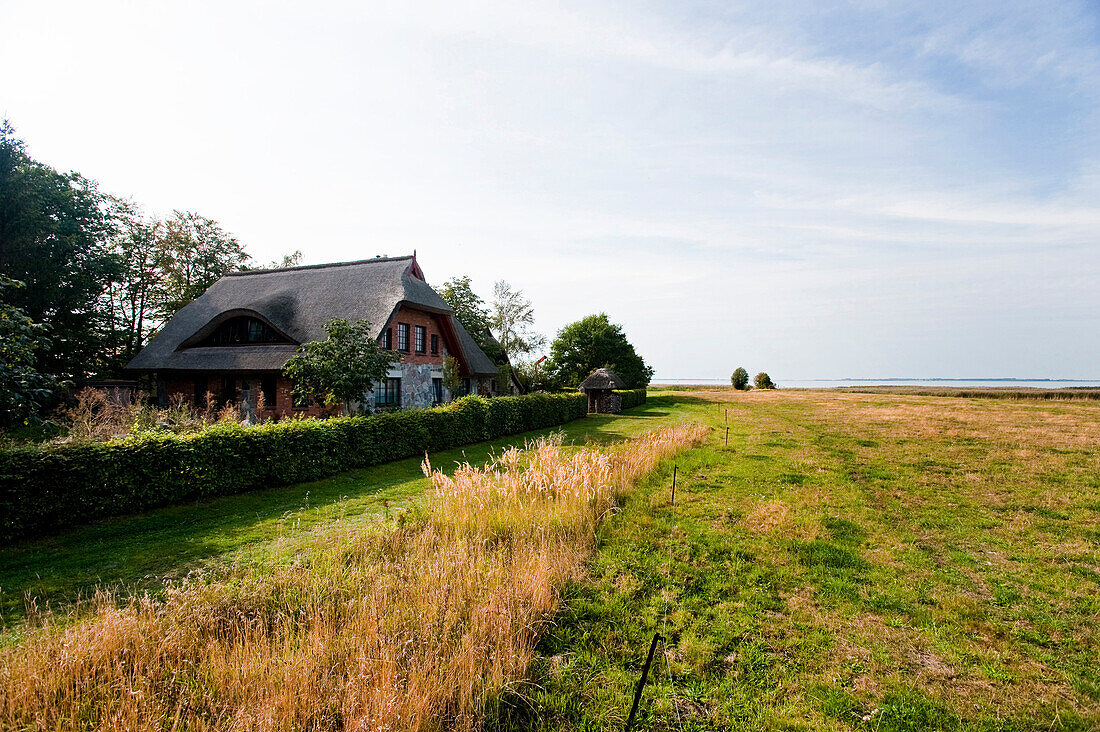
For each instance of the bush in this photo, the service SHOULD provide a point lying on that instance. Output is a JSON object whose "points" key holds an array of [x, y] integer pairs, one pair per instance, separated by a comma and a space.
{"points": [[632, 397], [44, 488], [763, 381]]}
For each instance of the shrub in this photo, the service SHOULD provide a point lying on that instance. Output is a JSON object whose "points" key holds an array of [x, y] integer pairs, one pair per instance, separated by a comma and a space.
{"points": [[43, 488], [763, 381], [632, 397]]}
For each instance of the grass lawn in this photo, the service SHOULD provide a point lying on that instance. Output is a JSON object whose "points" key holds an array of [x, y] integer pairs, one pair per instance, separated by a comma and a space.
{"points": [[137, 553], [876, 562]]}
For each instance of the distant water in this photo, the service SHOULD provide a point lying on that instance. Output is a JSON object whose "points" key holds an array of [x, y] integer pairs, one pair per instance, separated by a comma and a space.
{"points": [[831, 383]]}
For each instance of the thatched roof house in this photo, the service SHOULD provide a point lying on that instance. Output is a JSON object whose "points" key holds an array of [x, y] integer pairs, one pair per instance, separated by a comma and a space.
{"points": [[233, 340]]}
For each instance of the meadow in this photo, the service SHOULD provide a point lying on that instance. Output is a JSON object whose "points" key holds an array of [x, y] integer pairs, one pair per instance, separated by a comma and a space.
{"points": [[847, 561]]}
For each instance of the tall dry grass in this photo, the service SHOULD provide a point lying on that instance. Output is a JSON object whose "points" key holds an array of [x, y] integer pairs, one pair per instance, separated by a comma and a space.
{"points": [[94, 417], [422, 627]]}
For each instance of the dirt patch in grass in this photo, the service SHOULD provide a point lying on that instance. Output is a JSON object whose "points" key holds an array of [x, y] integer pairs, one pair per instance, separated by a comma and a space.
{"points": [[769, 517]]}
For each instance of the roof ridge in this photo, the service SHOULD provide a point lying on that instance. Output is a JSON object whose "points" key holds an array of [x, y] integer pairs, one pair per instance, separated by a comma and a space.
{"points": [[374, 260]]}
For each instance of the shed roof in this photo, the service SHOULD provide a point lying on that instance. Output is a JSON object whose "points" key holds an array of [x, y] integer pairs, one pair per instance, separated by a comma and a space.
{"points": [[297, 302], [602, 379]]}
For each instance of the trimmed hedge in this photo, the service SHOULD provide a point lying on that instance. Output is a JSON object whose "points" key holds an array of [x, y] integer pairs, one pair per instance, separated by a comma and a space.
{"points": [[44, 488], [632, 397]]}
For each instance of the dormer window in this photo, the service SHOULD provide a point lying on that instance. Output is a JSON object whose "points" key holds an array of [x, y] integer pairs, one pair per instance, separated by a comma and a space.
{"points": [[243, 331]]}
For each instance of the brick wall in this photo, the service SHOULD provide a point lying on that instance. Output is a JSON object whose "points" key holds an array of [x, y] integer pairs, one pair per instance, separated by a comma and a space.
{"points": [[184, 386], [430, 321]]}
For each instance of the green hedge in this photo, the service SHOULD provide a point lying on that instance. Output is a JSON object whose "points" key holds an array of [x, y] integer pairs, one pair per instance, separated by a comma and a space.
{"points": [[44, 488], [632, 397]]}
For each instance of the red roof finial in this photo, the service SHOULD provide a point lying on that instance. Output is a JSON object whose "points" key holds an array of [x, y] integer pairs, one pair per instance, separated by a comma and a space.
{"points": [[414, 268]]}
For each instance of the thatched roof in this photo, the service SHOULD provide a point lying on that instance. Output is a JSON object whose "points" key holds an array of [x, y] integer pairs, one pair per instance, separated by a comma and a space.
{"points": [[602, 379], [297, 302]]}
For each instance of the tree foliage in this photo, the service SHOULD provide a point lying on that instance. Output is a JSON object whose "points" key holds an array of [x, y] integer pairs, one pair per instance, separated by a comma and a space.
{"points": [[452, 380], [535, 375], [100, 275], [194, 253], [24, 390], [512, 319], [133, 296], [763, 381], [740, 378], [294, 259], [55, 231], [470, 310], [343, 367], [595, 342]]}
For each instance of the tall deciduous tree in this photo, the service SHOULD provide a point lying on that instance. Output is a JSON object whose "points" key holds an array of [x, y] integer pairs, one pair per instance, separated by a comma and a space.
{"points": [[470, 310], [134, 297], [192, 255], [740, 378], [100, 276], [512, 320], [342, 368], [595, 342], [55, 231]]}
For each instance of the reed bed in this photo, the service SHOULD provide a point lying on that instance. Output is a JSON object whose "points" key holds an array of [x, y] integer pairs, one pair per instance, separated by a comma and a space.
{"points": [[417, 627]]}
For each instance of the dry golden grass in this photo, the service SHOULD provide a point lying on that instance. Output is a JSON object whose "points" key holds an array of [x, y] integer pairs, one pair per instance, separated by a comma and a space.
{"points": [[421, 627]]}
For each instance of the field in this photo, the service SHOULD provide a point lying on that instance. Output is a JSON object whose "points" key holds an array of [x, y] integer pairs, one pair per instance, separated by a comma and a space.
{"points": [[867, 561], [879, 562]]}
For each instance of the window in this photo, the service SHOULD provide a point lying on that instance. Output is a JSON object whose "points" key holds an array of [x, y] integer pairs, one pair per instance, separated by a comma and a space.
{"points": [[388, 393], [420, 335], [435, 344], [387, 339], [403, 337], [437, 390], [242, 331], [267, 388]]}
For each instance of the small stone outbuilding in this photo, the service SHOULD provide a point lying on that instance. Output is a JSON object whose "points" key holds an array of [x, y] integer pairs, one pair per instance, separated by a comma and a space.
{"points": [[600, 387]]}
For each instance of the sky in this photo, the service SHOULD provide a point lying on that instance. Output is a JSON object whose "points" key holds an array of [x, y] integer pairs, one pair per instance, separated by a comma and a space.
{"points": [[813, 189]]}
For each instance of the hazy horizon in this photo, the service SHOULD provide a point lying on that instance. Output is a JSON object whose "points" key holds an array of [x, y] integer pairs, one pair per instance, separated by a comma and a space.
{"points": [[863, 188], [657, 378]]}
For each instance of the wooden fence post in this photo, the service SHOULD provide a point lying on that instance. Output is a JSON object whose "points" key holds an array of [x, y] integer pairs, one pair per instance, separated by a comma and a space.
{"points": [[641, 682]]}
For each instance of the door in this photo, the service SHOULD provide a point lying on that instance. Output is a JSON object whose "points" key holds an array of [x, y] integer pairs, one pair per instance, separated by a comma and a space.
{"points": [[249, 389]]}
